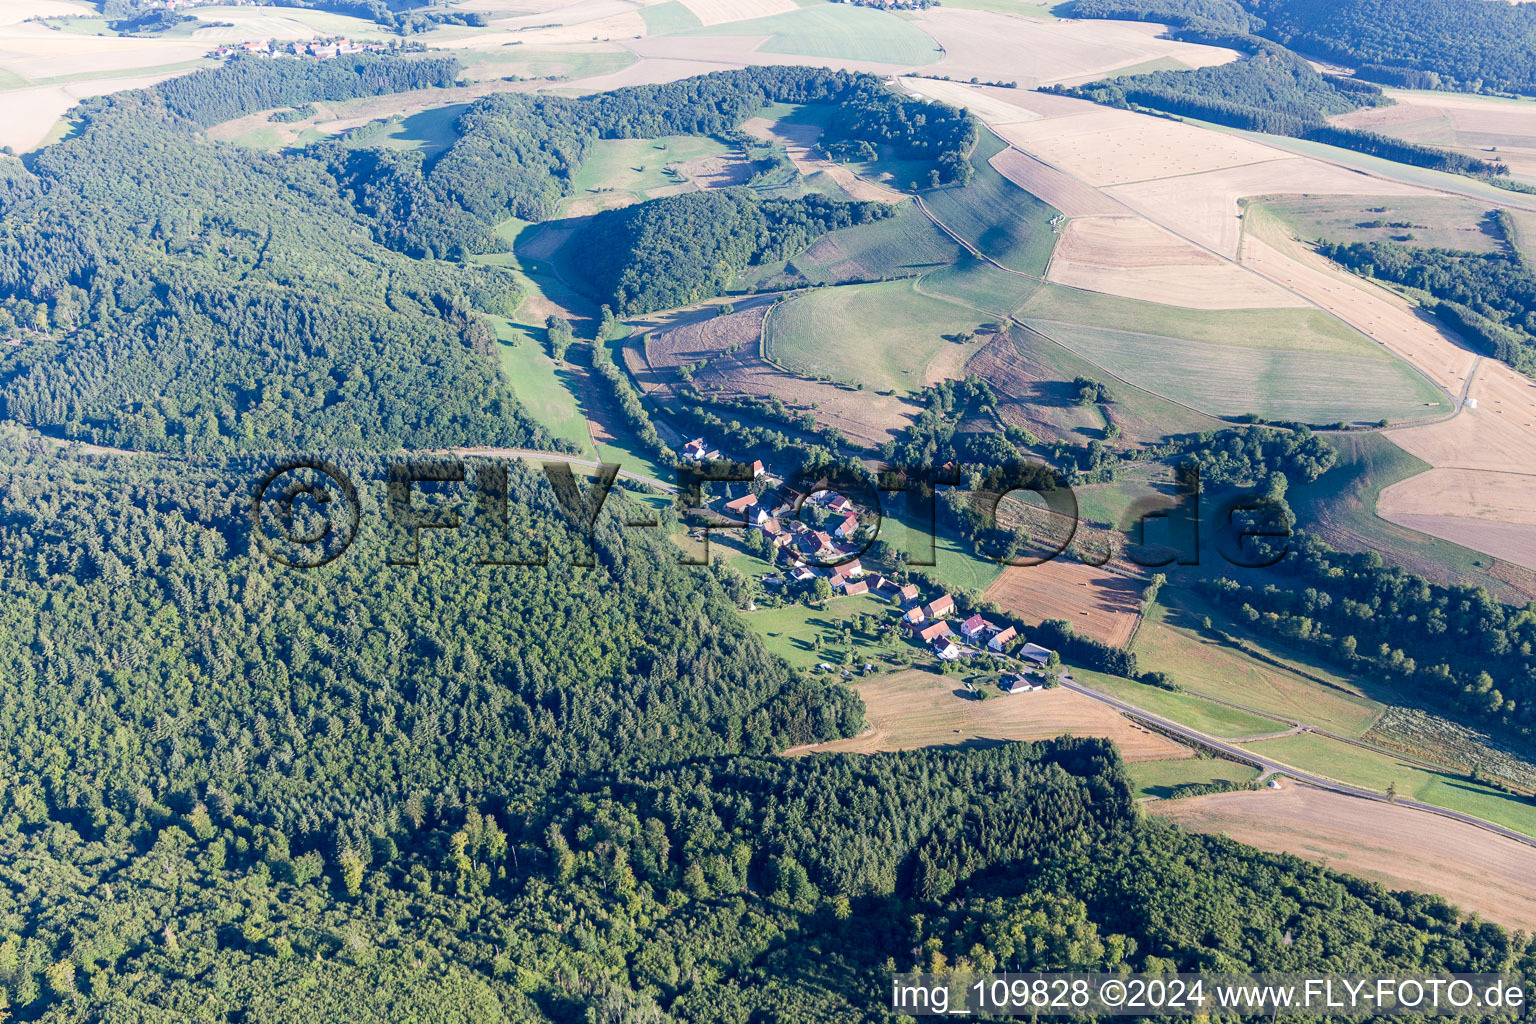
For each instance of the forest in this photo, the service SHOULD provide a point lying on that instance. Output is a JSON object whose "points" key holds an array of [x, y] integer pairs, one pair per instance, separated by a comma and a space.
{"points": [[1462, 45], [682, 249], [1490, 297], [374, 791]]}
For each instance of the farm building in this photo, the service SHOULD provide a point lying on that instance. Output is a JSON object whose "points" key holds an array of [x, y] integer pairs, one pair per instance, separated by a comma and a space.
{"points": [[741, 504], [914, 616], [998, 641], [974, 627], [931, 632], [855, 587], [1034, 652], [908, 593], [940, 606]]}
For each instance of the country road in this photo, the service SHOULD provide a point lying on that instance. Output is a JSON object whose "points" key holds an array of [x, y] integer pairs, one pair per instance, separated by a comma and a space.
{"points": [[1270, 766]]}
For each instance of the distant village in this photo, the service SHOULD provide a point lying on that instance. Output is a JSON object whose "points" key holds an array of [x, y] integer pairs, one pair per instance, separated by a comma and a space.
{"points": [[829, 549], [321, 48]]}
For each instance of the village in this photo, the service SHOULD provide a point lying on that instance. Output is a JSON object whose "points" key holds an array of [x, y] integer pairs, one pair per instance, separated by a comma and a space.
{"points": [[820, 560]]}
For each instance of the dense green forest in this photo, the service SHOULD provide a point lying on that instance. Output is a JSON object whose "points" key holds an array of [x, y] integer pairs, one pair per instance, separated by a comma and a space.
{"points": [[234, 791], [1274, 90], [1488, 297], [682, 249], [1466, 45]]}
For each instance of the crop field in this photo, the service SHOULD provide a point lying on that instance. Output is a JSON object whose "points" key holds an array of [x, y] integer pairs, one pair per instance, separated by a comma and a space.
{"points": [[1072, 197], [1043, 10], [1134, 258], [1445, 222], [1171, 640], [1157, 779], [1209, 717], [835, 31], [995, 216], [715, 12], [880, 336], [647, 167], [1362, 385], [908, 710], [1098, 603], [791, 631], [1372, 770], [1397, 846]]}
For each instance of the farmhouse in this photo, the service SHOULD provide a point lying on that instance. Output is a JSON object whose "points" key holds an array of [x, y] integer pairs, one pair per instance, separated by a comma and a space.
{"points": [[848, 527], [856, 587], [1036, 653], [931, 632], [974, 626], [741, 504], [940, 606], [1000, 639], [914, 616], [815, 542], [907, 593], [851, 568]]}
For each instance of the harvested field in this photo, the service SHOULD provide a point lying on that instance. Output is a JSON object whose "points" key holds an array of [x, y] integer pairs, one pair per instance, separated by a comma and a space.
{"points": [[837, 32], [1099, 603], [1054, 188], [1111, 147], [1132, 257], [1400, 847], [985, 103], [1485, 127], [1032, 53], [1204, 207], [693, 343], [913, 709], [715, 12]]}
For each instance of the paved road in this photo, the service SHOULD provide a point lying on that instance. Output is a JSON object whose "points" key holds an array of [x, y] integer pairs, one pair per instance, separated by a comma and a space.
{"points": [[1270, 766]]}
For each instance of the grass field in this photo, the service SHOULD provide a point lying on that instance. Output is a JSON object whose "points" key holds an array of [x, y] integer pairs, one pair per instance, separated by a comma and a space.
{"points": [[1375, 771], [1040, 10], [878, 335], [429, 131], [1157, 779], [1443, 222], [639, 166], [544, 388], [838, 31], [1209, 717], [1279, 363], [957, 566], [790, 631], [661, 19], [1170, 640], [994, 215]]}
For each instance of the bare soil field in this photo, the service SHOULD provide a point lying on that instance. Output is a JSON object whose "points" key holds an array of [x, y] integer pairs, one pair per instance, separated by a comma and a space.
{"points": [[1032, 53], [716, 12], [1485, 127], [908, 710], [1132, 257], [1072, 197], [1100, 604], [1397, 846]]}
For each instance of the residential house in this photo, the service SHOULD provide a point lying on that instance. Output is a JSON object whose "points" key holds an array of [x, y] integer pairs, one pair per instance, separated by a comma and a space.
{"points": [[757, 468], [914, 616], [1000, 639], [694, 450], [851, 568], [1019, 683], [740, 505], [801, 574], [839, 504], [848, 527], [941, 606], [931, 632], [856, 587], [946, 649], [974, 626], [908, 593]]}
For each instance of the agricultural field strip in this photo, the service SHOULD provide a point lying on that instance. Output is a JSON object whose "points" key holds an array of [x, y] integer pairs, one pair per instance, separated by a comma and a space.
{"points": [[1271, 765]]}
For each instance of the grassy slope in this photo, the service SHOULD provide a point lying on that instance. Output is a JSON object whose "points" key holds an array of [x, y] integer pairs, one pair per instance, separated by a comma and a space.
{"points": [[880, 335], [661, 19], [1442, 222], [638, 165], [541, 63], [995, 216], [789, 631], [545, 389], [1157, 778], [838, 31], [1209, 717]]}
